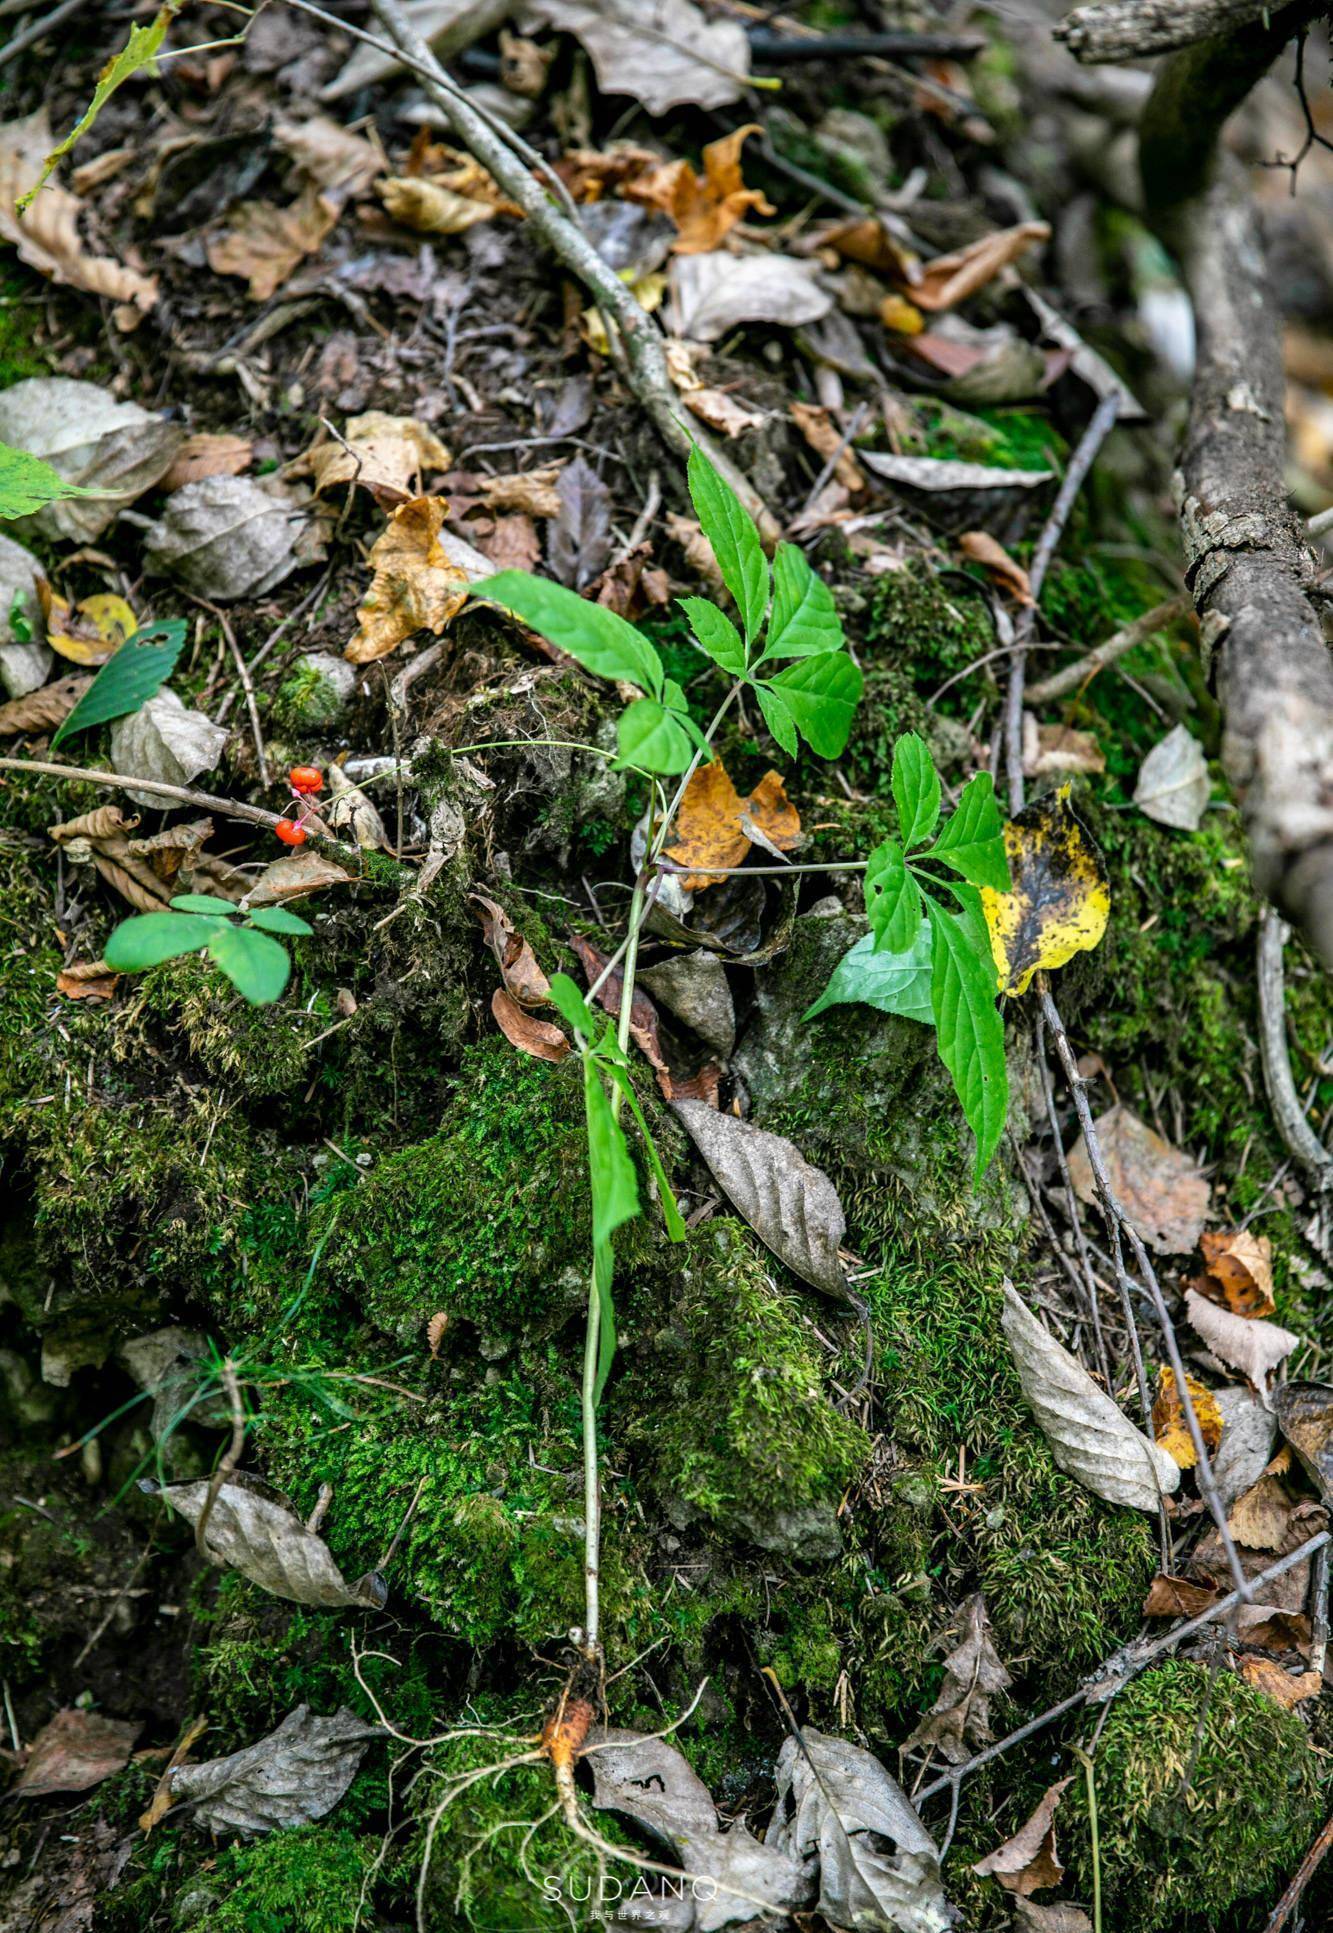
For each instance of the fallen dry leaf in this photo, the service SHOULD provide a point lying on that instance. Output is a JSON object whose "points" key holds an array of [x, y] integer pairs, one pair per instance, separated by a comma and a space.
{"points": [[1255, 1347], [698, 551], [1238, 1272], [959, 1720], [1173, 786], [578, 538], [705, 207], [341, 163], [643, 1022], [534, 491], [73, 1751], [694, 987], [87, 980], [716, 826], [1285, 1688], [665, 53], [1029, 1861], [524, 1030], [258, 1534], [46, 235], [1031, 1916], [415, 587], [522, 976], [947, 473], [90, 438], [950, 279], [722, 412], [1305, 1416], [228, 537], [387, 455], [630, 586], [705, 1085], [1058, 748], [1163, 1192], [713, 293], [1177, 1597], [435, 1330], [431, 208], [352, 815], [1261, 1517], [511, 543], [292, 1777], [207, 455], [263, 243], [999, 566], [827, 441], [42, 710], [90, 633], [1170, 1427], [1249, 1431]]}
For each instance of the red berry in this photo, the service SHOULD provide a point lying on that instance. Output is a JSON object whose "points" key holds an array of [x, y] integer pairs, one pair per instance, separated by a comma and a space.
{"points": [[306, 778], [290, 833]]}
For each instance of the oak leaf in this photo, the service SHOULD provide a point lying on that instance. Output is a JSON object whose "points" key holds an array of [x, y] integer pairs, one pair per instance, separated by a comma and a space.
{"points": [[705, 207]]}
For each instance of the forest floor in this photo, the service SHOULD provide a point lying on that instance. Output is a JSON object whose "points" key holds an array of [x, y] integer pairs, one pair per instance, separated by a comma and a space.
{"points": [[322, 1260]]}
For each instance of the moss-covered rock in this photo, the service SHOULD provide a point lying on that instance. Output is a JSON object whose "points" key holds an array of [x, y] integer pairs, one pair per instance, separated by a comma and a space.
{"points": [[304, 1880], [1207, 1793]]}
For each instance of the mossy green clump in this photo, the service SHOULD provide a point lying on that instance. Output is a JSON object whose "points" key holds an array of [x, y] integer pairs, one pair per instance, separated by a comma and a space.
{"points": [[307, 1879], [731, 1411], [1005, 438], [309, 699], [488, 1220], [1207, 1793]]}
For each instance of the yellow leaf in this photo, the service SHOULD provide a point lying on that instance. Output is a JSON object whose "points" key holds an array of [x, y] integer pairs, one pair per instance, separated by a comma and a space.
{"points": [[902, 316], [704, 207], [415, 586], [384, 454], [94, 631], [1060, 897], [717, 826], [139, 51], [1170, 1427]]}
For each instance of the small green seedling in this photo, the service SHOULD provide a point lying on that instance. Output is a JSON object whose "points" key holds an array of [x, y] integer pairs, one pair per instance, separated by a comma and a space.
{"points": [[788, 649], [257, 965], [928, 961]]}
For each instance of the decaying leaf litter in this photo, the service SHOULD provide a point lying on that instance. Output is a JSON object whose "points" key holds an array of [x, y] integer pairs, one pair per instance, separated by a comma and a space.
{"points": [[665, 1285]]}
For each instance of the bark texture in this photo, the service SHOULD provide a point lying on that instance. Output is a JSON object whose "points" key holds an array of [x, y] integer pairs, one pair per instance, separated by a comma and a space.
{"points": [[1134, 29]]}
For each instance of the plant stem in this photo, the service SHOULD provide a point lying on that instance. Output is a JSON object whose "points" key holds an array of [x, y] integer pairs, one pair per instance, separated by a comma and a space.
{"points": [[1090, 1775]]}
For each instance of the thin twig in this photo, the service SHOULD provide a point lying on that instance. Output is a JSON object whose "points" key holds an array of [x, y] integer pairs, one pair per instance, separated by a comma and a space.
{"points": [[1288, 1113], [40, 29], [1304, 1873], [247, 686], [1072, 677]]}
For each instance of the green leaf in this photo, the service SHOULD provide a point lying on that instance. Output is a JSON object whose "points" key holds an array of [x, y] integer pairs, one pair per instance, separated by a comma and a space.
{"points": [[916, 789], [893, 898], [600, 640], [730, 529], [149, 938], [972, 842], [210, 903], [26, 483], [276, 919], [805, 619], [821, 694], [141, 666], [571, 1006], [892, 982], [968, 1029], [671, 1215], [257, 966], [615, 1200], [137, 52], [715, 633], [777, 717], [654, 738]]}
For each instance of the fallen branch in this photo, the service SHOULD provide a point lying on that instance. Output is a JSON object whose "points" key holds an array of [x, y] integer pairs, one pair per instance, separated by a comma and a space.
{"points": [[1247, 563], [1292, 1124], [645, 355], [1072, 677], [1134, 29]]}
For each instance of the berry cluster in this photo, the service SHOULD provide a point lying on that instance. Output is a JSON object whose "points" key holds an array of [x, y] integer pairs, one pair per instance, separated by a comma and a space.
{"points": [[307, 782]]}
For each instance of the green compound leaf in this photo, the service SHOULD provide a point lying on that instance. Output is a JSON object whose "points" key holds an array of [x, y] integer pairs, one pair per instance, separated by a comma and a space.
{"points": [[654, 738], [730, 530], [777, 717], [969, 1031], [571, 1006], [149, 938], [893, 898], [27, 483], [615, 1200], [601, 641], [804, 620], [137, 52], [896, 983], [257, 966], [972, 842], [211, 903], [129, 679], [276, 919], [821, 695], [916, 789], [671, 1215], [715, 633]]}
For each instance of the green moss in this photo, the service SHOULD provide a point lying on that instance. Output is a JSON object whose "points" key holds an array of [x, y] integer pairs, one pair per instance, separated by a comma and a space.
{"points": [[306, 701], [1006, 439], [20, 308], [1207, 1793], [307, 1880]]}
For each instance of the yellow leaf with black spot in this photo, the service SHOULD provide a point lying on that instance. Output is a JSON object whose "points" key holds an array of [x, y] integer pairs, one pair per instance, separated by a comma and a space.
{"points": [[1059, 898]]}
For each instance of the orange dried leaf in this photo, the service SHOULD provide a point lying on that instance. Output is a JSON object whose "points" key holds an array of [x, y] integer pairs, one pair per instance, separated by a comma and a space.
{"points": [[435, 1329], [1267, 1675], [998, 565], [1177, 1597], [950, 279], [826, 440], [415, 586], [207, 455], [704, 207], [87, 980], [716, 826], [523, 1030], [522, 976], [1238, 1272], [1170, 1425]]}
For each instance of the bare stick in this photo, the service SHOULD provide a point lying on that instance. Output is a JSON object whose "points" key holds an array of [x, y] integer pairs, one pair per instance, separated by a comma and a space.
{"points": [[645, 356], [1132, 1667], [39, 29], [1071, 677], [1290, 1116], [1305, 1872], [247, 686]]}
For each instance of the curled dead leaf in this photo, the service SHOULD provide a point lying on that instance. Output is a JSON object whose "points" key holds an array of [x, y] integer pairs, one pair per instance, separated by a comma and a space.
{"points": [[256, 1533], [1305, 1416], [705, 207], [1058, 748], [1028, 1861], [387, 455], [1238, 1272], [87, 980], [523, 978], [827, 441], [46, 234], [974, 1673], [983, 549], [208, 455], [950, 279], [291, 1778], [643, 1021], [1255, 1347], [1177, 1597], [540, 1038], [1284, 1687], [42, 710]]}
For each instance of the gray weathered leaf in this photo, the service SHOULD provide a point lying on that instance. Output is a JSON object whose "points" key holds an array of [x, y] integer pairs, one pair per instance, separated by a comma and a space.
{"points": [[295, 1775], [25, 662], [226, 537], [666, 53], [1305, 1412], [1247, 1343], [841, 1814], [166, 741], [578, 541], [1090, 1438], [1173, 784], [90, 439], [714, 292], [652, 1783], [1161, 1189], [262, 1537], [959, 1720], [694, 987], [351, 814], [943, 473], [1248, 1434], [792, 1206]]}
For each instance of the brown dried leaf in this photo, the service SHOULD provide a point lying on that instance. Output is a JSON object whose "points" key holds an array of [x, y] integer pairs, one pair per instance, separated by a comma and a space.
{"points": [[351, 814], [73, 1751], [161, 1803], [435, 1329], [387, 455], [430, 207], [256, 1533], [1305, 1415], [721, 411], [643, 1022], [1058, 748], [704, 1086], [1177, 1597], [512, 543], [1238, 1272], [87, 980], [263, 244], [578, 539], [1059, 1917], [540, 1038], [698, 551], [1029, 1861], [951, 279], [998, 565], [1261, 1516], [826, 440], [1162, 1190], [103, 822], [716, 826], [415, 586], [207, 455], [294, 875], [629, 587], [959, 1720], [42, 710], [46, 235], [341, 163], [1170, 1427], [1283, 1687], [522, 976], [705, 207], [1255, 1347], [791, 1205], [535, 491]]}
